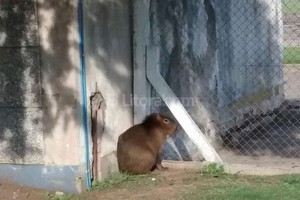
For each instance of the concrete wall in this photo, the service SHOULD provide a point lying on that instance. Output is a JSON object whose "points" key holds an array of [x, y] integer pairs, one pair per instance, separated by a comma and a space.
{"points": [[40, 104], [222, 58], [108, 57], [60, 81], [21, 130]]}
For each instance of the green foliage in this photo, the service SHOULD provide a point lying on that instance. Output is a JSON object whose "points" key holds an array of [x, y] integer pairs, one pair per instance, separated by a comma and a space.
{"points": [[291, 179], [291, 55], [111, 181], [213, 170], [250, 188], [59, 197], [291, 6], [291, 182]]}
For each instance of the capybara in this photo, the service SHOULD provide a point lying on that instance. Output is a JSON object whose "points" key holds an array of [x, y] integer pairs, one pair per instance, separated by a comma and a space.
{"points": [[139, 148]]}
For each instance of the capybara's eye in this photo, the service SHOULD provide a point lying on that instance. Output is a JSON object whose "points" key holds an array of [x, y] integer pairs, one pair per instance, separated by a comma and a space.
{"points": [[166, 121]]}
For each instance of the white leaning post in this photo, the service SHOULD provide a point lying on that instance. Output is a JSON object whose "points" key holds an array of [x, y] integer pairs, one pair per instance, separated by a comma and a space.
{"points": [[179, 112]]}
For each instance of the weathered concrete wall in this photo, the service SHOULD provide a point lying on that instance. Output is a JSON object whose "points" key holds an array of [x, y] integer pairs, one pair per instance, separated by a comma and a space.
{"points": [[250, 75], [39, 83], [21, 130], [223, 58], [40, 104], [108, 60], [58, 35]]}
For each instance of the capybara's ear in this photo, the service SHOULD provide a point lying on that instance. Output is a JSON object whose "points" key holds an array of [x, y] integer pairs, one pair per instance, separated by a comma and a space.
{"points": [[157, 116]]}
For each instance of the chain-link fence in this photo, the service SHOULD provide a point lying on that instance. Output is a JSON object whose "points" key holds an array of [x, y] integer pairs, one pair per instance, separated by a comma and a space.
{"points": [[235, 66]]}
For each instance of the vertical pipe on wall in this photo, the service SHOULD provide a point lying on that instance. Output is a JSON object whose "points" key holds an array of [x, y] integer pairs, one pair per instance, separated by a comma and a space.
{"points": [[83, 91]]}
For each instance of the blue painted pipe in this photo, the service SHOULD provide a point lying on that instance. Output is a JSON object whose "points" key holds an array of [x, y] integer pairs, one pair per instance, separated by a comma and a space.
{"points": [[83, 91]]}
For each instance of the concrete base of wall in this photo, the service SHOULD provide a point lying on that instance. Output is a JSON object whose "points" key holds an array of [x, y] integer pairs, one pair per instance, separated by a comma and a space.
{"points": [[52, 178], [109, 165]]}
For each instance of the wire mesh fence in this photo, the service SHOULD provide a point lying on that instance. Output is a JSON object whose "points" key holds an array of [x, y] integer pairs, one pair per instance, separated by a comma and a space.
{"points": [[235, 66]]}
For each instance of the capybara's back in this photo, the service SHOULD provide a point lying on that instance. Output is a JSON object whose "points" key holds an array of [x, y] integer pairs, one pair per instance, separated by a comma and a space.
{"points": [[134, 151]]}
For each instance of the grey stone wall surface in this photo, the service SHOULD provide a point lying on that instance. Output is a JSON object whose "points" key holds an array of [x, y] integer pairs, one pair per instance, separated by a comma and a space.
{"points": [[108, 55], [21, 130], [18, 23]]}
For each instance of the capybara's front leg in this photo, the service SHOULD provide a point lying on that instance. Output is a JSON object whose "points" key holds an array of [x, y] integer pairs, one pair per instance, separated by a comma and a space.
{"points": [[158, 163]]}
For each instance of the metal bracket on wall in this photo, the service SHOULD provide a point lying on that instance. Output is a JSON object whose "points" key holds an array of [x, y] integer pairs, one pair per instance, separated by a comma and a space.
{"points": [[98, 107]]}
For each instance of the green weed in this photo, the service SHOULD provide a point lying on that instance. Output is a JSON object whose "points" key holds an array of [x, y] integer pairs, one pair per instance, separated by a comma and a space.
{"points": [[213, 170]]}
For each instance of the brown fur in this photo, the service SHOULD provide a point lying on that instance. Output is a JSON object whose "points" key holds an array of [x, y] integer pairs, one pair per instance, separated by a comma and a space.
{"points": [[139, 148]]}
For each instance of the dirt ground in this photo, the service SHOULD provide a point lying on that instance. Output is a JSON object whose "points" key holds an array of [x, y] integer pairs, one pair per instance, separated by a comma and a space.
{"points": [[291, 30], [13, 191], [168, 185], [174, 184]]}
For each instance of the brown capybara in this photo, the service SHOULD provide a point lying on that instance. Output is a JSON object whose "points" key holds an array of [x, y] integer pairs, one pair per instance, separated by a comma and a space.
{"points": [[139, 148]]}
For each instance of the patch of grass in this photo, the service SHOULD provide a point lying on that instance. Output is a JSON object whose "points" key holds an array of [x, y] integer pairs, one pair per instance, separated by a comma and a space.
{"points": [[111, 181], [291, 6], [213, 170], [117, 179], [59, 197], [291, 55], [291, 181], [250, 188]]}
